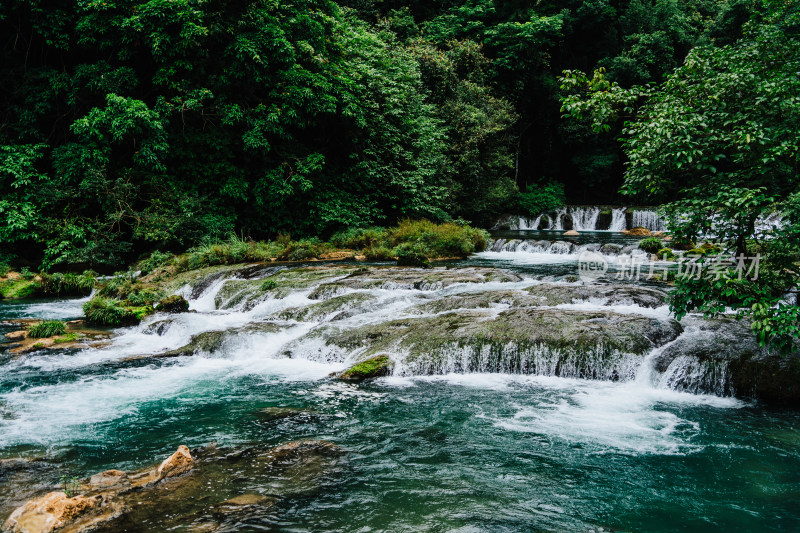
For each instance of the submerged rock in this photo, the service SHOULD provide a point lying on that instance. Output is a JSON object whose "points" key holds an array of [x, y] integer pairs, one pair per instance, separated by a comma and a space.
{"points": [[50, 512], [206, 489]]}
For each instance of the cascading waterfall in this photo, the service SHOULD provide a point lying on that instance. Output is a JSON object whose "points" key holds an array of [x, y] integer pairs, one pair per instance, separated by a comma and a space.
{"points": [[584, 218], [649, 219]]}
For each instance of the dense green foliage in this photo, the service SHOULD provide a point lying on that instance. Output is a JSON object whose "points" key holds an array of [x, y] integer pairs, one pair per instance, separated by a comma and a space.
{"points": [[542, 199], [48, 328], [136, 125], [719, 139]]}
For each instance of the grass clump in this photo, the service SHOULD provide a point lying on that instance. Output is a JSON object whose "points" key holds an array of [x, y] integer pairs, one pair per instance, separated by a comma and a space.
{"points": [[651, 245], [269, 285], [67, 284], [48, 328], [109, 312], [69, 337]]}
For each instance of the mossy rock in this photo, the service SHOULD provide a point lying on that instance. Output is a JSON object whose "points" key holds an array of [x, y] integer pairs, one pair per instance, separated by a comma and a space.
{"points": [[541, 341], [173, 304], [214, 341], [335, 308], [665, 253], [374, 367]]}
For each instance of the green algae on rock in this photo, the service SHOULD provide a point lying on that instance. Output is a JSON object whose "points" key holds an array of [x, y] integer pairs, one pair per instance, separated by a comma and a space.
{"points": [[374, 367]]}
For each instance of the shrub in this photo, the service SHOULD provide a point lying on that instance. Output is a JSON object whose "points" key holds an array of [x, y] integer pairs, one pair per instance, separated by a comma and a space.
{"points": [[302, 250], [268, 285], [410, 255], [26, 274], [67, 284], [650, 245], [5, 268], [696, 251], [438, 240], [108, 312], [173, 304], [359, 239], [157, 259], [538, 199], [48, 328], [378, 253]]}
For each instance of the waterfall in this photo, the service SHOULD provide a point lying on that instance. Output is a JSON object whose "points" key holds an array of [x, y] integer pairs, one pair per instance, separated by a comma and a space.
{"points": [[529, 224], [584, 218], [618, 219], [649, 219]]}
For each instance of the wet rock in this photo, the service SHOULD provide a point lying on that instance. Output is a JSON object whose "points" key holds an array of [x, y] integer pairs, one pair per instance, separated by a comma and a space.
{"points": [[271, 414], [571, 233], [333, 308], [110, 479], [723, 357], [48, 513], [638, 231], [176, 464], [159, 327], [610, 249], [214, 341], [374, 367], [390, 278], [609, 294], [596, 345]]}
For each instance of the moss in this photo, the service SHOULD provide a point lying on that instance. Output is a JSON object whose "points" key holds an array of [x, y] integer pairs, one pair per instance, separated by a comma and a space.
{"points": [[696, 251], [380, 365], [18, 288]]}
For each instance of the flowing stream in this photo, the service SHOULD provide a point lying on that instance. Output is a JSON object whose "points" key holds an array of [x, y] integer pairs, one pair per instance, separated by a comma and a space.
{"points": [[468, 451]]}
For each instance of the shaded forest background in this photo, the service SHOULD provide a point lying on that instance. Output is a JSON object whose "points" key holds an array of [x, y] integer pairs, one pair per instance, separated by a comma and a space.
{"points": [[128, 126]]}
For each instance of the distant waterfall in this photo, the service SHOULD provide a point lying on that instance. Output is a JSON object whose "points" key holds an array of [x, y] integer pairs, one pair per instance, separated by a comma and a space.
{"points": [[649, 219]]}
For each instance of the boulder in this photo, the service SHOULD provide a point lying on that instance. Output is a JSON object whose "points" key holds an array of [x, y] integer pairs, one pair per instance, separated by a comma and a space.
{"points": [[610, 249], [173, 304], [48, 513], [571, 233], [176, 464], [116, 479], [638, 231]]}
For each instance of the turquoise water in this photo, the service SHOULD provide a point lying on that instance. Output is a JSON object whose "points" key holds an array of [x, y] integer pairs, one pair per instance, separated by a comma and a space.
{"points": [[476, 452]]}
